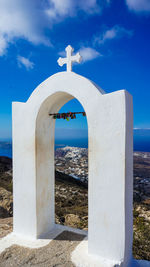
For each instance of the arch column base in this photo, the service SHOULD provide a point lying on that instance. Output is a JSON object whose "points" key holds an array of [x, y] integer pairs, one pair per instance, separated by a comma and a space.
{"points": [[81, 257]]}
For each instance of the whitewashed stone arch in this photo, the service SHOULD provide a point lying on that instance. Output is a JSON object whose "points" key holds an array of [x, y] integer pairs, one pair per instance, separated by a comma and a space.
{"points": [[110, 163]]}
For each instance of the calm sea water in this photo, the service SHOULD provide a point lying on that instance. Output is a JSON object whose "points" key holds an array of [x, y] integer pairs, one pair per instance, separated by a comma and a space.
{"points": [[5, 150], [141, 143]]}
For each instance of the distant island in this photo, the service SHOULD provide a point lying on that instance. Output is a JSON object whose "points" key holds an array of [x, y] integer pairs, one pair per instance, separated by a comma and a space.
{"points": [[141, 142]]}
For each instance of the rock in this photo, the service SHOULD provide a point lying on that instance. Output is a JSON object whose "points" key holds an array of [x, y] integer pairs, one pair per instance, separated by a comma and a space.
{"points": [[143, 212], [6, 226], [3, 213], [72, 220], [57, 221], [5, 164], [6, 203]]}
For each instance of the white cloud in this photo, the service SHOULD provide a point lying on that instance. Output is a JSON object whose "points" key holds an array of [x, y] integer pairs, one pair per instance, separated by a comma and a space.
{"points": [[88, 53], [21, 19], [28, 19], [63, 8], [112, 33], [139, 5], [3, 45], [23, 61], [62, 53]]}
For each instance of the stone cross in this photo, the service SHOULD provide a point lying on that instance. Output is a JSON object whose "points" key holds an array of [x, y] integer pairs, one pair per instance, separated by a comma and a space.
{"points": [[69, 59]]}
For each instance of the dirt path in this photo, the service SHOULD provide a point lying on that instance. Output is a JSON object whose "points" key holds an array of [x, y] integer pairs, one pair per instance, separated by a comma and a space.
{"points": [[56, 254]]}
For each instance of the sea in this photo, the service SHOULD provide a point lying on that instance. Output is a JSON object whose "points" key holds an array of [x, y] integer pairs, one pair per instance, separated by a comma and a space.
{"points": [[141, 142]]}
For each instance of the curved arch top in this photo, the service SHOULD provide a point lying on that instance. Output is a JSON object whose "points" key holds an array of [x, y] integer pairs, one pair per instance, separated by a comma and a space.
{"points": [[72, 83]]}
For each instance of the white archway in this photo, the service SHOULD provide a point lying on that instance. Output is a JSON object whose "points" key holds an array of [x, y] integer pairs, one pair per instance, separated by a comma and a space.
{"points": [[110, 163]]}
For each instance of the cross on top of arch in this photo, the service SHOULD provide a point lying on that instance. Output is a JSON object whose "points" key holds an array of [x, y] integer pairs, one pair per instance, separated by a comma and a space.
{"points": [[69, 58]]}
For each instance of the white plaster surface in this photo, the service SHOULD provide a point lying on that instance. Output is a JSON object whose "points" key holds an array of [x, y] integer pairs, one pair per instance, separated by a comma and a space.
{"points": [[81, 258], [12, 238], [110, 163]]}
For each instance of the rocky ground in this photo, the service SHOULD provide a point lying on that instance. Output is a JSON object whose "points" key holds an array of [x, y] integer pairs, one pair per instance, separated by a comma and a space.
{"points": [[71, 201], [141, 211], [56, 254]]}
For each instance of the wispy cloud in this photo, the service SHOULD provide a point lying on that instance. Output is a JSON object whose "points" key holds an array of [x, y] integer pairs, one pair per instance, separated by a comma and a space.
{"points": [[3, 45], [139, 5], [22, 19], [115, 32], [69, 8], [23, 61], [88, 53], [62, 53], [136, 128], [28, 19]]}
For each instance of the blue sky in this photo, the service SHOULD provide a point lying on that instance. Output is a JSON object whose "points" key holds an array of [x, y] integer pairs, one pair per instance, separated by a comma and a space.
{"points": [[113, 37]]}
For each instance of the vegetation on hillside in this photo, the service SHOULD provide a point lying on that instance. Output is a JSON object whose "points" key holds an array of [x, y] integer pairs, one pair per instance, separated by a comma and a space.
{"points": [[71, 204]]}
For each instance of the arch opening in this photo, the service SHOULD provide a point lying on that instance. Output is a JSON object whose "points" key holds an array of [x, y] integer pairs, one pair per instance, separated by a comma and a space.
{"points": [[45, 168], [71, 168]]}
